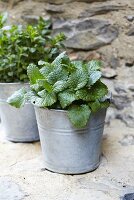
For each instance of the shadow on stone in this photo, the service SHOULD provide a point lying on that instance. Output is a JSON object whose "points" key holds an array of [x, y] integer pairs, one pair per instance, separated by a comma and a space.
{"points": [[128, 196]]}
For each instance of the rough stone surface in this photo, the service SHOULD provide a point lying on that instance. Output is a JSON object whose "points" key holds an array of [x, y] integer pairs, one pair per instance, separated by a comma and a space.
{"points": [[32, 19], [131, 87], [9, 190], [22, 177], [131, 32], [130, 18], [127, 140], [79, 41], [88, 34], [89, 41], [100, 10], [79, 25], [108, 73], [54, 9], [121, 101], [127, 116]]}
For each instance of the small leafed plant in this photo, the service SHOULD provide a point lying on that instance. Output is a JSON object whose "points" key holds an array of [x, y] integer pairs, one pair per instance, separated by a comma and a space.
{"points": [[64, 84], [21, 45]]}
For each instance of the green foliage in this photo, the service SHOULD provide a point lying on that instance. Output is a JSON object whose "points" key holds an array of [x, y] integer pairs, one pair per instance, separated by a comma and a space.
{"points": [[20, 97], [3, 19], [74, 86], [79, 115], [22, 45], [66, 98], [34, 73]]}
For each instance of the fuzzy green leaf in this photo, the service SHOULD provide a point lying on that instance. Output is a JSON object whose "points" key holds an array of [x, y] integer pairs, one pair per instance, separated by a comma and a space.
{"points": [[46, 69], [45, 85], [78, 79], [57, 75], [34, 73], [35, 99], [35, 87], [48, 98], [78, 64], [105, 104], [95, 106], [41, 62], [94, 65], [83, 94], [97, 91], [59, 86], [18, 99], [66, 98], [61, 58], [94, 77], [79, 115], [42, 99]]}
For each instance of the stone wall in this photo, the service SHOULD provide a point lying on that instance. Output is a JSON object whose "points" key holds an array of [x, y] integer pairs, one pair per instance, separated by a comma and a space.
{"points": [[95, 29]]}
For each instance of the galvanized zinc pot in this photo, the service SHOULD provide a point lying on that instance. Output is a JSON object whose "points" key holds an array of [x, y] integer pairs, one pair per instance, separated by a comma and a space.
{"points": [[19, 125], [66, 149]]}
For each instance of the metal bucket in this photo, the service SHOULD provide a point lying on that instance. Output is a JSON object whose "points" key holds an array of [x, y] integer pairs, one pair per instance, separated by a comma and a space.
{"points": [[66, 149], [19, 125]]}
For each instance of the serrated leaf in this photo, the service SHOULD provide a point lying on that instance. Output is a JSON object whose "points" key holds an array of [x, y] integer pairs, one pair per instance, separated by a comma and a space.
{"points": [[83, 94], [35, 87], [48, 68], [18, 99], [34, 73], [59, 86], [45, 85], [35, 99], [48, 98], [78, 64], [98, 91], [94, 76], [41, 62], [79, 115], [95, 106], [105, 104], [78, 79], [57, 75], [62, 57], [66, 98], [94, 65]]}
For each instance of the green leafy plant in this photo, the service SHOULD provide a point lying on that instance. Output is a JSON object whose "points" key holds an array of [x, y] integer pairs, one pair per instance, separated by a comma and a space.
{"points": [[64, 84], [22, 45]]}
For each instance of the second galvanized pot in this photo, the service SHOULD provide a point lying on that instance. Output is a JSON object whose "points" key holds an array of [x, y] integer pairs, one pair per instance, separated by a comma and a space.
{"points": [[66, 149], [19, 125]]}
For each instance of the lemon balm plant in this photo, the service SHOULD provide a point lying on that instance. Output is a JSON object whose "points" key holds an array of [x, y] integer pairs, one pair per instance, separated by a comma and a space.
{"points": [[20, 46], [63, 84], [70, 103]]}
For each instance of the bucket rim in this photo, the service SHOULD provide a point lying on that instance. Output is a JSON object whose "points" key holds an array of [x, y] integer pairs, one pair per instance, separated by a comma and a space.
{"points": [[15, 83], [52, 109]]}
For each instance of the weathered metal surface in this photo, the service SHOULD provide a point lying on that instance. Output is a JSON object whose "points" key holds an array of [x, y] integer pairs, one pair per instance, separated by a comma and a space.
{"points": [[19, 125], [66, 149]]}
